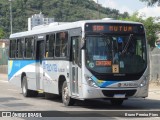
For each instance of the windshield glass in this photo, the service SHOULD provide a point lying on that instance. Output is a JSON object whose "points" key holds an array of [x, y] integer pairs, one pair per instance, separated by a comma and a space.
{"points": [[116, 53]]}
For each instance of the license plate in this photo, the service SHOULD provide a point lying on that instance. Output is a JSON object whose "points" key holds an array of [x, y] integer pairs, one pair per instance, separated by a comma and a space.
{"points": [[119, 96]]}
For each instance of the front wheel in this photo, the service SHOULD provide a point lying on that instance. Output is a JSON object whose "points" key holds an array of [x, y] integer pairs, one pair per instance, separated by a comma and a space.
{"points": [[66, 99]]}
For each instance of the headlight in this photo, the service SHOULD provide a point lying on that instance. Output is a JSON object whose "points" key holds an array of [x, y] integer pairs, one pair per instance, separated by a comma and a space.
{"points": [[90, 81], [143, 83]]}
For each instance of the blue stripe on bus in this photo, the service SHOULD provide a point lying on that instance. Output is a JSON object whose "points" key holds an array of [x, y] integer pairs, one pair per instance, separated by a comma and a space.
{"points": [[103, 83], [15, 65]]}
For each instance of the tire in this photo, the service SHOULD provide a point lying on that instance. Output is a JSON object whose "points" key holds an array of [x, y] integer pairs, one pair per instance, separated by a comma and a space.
{"points": [[25, 91], [66, 99], [117, 102]]}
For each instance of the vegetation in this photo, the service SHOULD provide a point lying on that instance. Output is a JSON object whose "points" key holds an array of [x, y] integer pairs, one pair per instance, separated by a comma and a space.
{"points": [[2, 33], [151, 2], [150, 25], [61, 10]]}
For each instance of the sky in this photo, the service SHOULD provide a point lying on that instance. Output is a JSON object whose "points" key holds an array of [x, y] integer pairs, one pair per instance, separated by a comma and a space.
{"points": [[131, 6]]}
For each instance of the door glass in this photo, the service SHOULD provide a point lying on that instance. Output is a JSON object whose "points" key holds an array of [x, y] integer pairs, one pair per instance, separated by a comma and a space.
{"points": [[76, 51], [75, 63], [39, 58]]}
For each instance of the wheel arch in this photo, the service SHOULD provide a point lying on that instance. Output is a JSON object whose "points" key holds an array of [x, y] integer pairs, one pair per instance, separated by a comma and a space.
{"points": [[61, 79], [22, 75]]}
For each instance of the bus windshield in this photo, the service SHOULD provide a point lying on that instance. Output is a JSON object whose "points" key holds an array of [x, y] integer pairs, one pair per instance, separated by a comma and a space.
{"points": [[116, 53]]}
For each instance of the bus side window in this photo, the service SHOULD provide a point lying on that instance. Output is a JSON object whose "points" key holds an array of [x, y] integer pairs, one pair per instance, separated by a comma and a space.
{"points": [[50, 41], [76, 50], [12, 48], [57, 50], [19, 48], [61, 44], [47, 46], [29, 47]]}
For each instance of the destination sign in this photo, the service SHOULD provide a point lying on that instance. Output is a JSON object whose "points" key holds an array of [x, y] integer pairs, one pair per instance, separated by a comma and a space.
{"points": [[103, 63], [121, 28], [98, 28], [114, 28]]}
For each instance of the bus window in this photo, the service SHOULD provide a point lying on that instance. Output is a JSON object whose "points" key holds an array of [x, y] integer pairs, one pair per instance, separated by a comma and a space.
{"points": [[61, 44], [29, 47], [20, 48], [12, 48], [76, 50], [50, 41]]}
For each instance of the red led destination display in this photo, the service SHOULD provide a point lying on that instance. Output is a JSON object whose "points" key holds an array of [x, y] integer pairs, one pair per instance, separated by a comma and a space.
{"points": [[114, 28]]}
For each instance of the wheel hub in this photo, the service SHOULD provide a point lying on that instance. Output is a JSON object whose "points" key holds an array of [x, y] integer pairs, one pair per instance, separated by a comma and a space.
{"points": [[65, 94]]}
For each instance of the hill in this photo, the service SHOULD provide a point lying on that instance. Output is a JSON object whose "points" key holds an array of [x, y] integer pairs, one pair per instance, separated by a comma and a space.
{"points": [[61, 10]]}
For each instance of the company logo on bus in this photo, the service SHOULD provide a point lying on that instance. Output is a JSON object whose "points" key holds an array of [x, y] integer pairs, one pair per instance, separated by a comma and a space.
{"points": [[130, 84]]}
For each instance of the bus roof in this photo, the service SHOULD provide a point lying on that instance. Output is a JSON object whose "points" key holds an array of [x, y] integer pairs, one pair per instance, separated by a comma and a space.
{"points": [[60, 27]]}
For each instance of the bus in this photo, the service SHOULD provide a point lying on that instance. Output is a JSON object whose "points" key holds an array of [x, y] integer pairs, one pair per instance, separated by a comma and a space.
{"points": [[90, 59]]}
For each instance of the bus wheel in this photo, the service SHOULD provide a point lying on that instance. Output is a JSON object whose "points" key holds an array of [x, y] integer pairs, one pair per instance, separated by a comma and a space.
{"points": [[67, 100], [117, 102], [25, 91]]}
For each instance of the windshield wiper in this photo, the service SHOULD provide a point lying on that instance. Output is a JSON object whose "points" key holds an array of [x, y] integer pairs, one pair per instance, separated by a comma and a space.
{"points": [[127, 44]]}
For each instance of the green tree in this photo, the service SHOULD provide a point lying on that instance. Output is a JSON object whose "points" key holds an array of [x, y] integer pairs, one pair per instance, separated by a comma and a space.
{"points": [[150, 26], [151, 2], [151, 29], [2, 33], [61, 10]]}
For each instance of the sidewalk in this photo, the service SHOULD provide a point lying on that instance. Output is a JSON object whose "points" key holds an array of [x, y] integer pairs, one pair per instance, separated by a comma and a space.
{"points": [[3, 76], [154, 86]]}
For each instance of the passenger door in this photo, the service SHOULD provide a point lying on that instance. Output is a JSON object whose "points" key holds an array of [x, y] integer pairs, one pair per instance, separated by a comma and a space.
{"points": [[39, 68], [76, 63]]}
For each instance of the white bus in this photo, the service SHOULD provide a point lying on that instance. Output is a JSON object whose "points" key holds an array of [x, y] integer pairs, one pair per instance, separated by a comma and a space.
{"points": [[81, 60]]}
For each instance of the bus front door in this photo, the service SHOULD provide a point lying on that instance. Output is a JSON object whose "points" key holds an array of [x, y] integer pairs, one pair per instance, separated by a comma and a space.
{"points": [[75, 71], [39, 67]]}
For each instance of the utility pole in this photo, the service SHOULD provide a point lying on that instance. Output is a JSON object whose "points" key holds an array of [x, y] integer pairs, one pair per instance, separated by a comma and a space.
{"points": [[11, 14], [98, 10]]}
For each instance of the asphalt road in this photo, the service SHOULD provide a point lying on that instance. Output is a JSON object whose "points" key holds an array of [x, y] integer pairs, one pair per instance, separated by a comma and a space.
{"points": [[11, 99]]}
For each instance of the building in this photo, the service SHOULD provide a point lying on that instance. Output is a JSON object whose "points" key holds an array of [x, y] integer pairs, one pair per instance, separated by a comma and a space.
{"points": [[4, 43], [4, 47], [38, 19]]}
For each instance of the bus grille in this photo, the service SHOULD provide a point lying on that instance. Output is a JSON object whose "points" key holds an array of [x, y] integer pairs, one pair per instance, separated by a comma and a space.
{"points": [[111, 93]]}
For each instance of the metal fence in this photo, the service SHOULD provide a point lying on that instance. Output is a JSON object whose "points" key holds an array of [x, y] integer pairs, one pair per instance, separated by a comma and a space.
{"points": [[3, 60], [155, 64]]}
